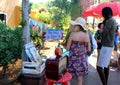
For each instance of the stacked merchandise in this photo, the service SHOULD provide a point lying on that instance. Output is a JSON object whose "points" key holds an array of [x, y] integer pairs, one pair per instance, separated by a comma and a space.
{"points": [[36, 63]]}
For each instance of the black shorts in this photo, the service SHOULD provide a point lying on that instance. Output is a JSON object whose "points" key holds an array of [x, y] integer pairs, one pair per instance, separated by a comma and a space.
{"points": [[115, 47], [99, 45]]}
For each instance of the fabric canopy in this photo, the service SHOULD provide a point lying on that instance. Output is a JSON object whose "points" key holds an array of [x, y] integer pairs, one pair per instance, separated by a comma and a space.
{"points": [[96, 10]]}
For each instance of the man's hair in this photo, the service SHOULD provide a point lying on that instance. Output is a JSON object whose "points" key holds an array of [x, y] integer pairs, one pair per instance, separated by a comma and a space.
{"points": [[99, 25], [107, 12]]}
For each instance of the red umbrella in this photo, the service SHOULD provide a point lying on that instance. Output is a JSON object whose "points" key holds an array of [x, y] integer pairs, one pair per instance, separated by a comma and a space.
{"points": [[89, 11], [96, 10]]}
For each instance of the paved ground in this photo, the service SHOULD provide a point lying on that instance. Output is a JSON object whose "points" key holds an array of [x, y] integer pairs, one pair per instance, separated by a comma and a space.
{"points": [[93, 79]]}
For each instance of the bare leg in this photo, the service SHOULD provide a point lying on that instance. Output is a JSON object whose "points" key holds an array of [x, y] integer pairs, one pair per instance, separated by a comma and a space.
{"points": [[100, 71], [79, 80], [106, 72], [118, 63], [73, 81], [114, 54], [98, 53]]}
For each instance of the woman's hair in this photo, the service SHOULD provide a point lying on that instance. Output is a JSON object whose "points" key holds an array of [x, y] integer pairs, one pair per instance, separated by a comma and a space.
{"points": [[107, 12], [81, 28], [117, 29], [99, 25]]}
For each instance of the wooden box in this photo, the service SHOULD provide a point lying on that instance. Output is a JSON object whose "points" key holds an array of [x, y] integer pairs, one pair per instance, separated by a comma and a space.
{"points": [[55, 68], [32, 79], [32, 68]]}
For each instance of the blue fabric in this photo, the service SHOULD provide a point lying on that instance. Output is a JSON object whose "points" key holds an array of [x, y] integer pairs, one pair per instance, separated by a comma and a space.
{"points": [[90, 36], [65, 52], [116, 38], [32, 23]]}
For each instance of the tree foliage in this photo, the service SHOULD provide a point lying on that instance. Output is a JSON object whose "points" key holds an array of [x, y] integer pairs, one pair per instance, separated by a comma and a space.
{"points": [[10, 45], [44, 17], [60, 9], [63, 10], [76, 8]]}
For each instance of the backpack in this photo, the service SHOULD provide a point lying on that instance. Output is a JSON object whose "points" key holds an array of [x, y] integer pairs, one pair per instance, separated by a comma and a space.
{"points": [[92, 42]]}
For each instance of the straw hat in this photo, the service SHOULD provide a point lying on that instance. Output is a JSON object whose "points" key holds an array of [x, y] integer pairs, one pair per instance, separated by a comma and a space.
{"points": [[79, 21]]}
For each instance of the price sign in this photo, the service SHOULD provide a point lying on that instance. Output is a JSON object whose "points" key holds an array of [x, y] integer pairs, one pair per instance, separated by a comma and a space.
{"points": [[52, 34]]}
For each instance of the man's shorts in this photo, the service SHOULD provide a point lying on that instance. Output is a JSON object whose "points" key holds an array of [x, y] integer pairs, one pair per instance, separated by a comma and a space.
{"points": [[105, 56]]}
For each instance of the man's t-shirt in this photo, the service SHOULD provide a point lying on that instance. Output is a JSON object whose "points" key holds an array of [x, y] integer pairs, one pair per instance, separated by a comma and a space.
{"points": [[108, 33]]}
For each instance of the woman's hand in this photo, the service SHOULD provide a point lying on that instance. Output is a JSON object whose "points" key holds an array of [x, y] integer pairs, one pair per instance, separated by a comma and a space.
{"points": [[98, 41]]}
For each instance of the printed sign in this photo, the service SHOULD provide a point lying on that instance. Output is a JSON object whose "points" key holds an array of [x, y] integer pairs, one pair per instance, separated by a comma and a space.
{"points": [[32, 53], [53, 34]]}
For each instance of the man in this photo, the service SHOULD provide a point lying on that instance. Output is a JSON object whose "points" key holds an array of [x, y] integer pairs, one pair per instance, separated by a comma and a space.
{"points": [[107, 44]]}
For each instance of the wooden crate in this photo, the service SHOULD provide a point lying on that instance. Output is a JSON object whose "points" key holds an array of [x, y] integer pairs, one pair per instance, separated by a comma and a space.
{"points": [[32, 79]]}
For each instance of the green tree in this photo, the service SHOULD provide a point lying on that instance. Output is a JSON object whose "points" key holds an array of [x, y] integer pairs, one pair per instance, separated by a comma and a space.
{"points": [[10, 45], [76, 8], [61, 9], [44, 17]]}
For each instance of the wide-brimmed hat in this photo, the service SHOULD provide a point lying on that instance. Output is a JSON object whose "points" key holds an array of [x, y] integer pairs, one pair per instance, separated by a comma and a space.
{"points": [[79, 21]]}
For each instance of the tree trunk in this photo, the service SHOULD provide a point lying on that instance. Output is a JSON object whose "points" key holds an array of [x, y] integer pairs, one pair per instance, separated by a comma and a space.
{"points": [[25, 25]]}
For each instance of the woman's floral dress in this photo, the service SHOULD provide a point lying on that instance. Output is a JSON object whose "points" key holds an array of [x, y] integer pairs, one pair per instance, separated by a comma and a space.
{"points": [[77, 60]]}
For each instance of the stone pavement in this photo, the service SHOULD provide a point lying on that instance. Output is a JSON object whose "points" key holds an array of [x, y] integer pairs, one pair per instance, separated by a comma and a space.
{"points": [[93, 79]]}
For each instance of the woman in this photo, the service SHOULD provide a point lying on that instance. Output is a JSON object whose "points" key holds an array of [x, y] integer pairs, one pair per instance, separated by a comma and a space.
{"points": [[116, 41], [98, 38], [107, 44], [78, 45]]}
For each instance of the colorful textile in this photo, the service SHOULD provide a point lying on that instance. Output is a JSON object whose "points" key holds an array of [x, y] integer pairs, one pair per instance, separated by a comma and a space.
{"points": [[116, 38], [77, 60], [64, 80]]}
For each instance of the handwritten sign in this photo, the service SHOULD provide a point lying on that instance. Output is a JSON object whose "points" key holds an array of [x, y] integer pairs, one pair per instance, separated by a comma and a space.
{"points": [[53, 34]]}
